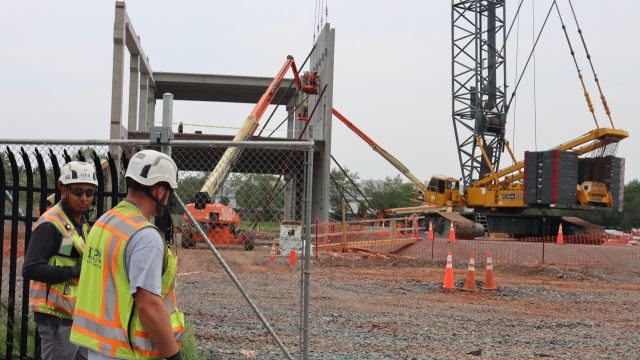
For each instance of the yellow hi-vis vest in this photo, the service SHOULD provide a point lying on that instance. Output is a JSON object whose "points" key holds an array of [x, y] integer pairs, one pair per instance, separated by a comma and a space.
{"points": [[58, 299], [106, 317]]}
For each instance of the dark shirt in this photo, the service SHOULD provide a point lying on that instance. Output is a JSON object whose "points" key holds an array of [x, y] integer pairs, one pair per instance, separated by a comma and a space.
{"points": [[44, 243]]}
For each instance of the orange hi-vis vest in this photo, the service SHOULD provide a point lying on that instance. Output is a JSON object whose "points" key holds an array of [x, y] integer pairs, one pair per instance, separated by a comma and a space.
{"points": [[106, 317], [58, 299]]}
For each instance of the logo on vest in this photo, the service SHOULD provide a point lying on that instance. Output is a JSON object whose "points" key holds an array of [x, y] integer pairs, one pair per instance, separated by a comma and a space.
{"points": [[94, 257]]}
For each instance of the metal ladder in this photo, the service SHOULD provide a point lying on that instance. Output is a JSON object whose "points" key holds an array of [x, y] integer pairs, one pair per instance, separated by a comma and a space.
{"points": [[482, 220]]}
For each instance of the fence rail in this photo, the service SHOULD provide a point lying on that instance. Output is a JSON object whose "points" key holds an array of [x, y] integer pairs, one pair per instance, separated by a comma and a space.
{"points": [[363, 241]]}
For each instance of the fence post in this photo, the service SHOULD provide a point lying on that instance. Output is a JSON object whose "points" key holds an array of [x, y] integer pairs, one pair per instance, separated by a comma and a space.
{"points": [[307, 249], [433, 243], [392, 228], [167, 118], [344, 230], [11, 299], [27, 236], [3, 194]]}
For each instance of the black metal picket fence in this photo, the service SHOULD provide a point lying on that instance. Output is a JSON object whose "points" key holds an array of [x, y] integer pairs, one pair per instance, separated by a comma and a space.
{"points": [[21, 181]]}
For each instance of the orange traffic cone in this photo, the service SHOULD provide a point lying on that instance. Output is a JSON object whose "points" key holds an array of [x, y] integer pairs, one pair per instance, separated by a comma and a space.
{"points": [[489, 280], [398, 232], [452, 234], [486, 235], [383, 232], [430, 237], [272, 258], [470, 284], [292, 258], [560, 237], [448, 274]]}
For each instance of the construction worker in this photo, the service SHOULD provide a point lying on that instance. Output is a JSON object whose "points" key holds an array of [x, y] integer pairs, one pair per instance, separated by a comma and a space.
{"points": [[52, 261], [126, 306]]}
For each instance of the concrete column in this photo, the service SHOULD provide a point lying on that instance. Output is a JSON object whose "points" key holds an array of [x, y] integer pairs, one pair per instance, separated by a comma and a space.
{"points": [[134, 84], [144, 98], [289, 206], [290, 191], [291, 120], [117, 86], [322, 61], [151, 108]]}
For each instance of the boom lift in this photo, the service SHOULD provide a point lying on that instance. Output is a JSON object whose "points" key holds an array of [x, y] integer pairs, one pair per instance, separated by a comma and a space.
{"points": [[222, 221]]}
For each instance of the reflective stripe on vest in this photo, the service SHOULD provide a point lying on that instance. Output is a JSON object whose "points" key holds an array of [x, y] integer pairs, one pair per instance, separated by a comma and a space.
{"points": [[58, 299], [106, 318]]}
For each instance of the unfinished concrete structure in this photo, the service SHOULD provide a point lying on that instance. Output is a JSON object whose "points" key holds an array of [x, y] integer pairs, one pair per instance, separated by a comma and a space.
{"points": [[146, 86]]}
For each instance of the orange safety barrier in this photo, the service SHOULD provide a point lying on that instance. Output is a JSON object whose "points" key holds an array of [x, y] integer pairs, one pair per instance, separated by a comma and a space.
{"points": [[365, 241]]}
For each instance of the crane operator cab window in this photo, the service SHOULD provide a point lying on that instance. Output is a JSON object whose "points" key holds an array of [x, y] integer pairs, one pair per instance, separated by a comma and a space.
{"points": [[433, 184], [453, 185], [440, 186]]}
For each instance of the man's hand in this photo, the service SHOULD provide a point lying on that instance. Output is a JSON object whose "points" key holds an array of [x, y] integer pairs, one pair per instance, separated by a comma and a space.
{"points": [[75, 270], [155, 320]]}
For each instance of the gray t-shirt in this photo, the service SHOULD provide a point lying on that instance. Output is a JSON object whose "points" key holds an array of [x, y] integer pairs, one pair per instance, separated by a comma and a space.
{"points": [[143, 258]]}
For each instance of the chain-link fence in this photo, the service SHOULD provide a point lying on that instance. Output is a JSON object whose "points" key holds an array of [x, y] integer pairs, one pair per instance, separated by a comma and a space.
{"points": [[249, 200]]}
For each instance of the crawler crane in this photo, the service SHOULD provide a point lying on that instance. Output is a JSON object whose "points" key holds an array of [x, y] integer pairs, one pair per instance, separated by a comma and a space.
{"points": [[479, 113]]}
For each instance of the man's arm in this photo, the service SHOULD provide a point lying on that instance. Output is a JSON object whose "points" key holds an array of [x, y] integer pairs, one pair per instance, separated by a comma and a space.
{"points": [[155, 320], [143, 258], [42, 246]]}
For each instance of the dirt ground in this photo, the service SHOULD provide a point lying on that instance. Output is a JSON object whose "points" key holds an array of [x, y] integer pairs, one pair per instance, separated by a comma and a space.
{"points": [[396, 309]]}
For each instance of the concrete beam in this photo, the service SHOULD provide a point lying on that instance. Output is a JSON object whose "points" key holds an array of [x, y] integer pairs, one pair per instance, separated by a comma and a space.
{"points": [[134, 83], [223, 88], [133, 44]]}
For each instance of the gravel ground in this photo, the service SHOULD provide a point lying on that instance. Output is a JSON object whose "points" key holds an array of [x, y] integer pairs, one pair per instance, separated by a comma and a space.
{"points": [[396, 309]]}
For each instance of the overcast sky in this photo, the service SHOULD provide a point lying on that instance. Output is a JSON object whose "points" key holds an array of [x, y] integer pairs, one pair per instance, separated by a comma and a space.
{"points": [[392, 70]]}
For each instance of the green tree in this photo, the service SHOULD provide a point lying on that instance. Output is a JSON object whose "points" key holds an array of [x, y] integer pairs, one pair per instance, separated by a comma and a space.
{"points": [[188, 186], [253, 190], [343, 181], [392, 193], [632, 202], [625, 225]]}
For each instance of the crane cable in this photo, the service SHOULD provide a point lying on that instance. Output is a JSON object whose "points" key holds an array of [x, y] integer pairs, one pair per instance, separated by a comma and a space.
{"points": [[586, 93], [535, 104], [604, 101], [516, 73], [513, 94]]}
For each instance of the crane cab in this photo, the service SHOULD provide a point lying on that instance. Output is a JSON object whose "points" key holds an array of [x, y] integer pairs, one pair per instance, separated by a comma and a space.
{"points": [[310, 83], [443, 191]]}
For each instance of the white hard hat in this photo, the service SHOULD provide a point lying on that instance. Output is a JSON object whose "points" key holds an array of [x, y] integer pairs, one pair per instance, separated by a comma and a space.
{"points": [[149, 167], [78, 172]]}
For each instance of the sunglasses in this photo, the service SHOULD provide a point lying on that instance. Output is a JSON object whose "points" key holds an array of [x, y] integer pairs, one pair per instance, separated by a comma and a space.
{"points": [[78, 192]]}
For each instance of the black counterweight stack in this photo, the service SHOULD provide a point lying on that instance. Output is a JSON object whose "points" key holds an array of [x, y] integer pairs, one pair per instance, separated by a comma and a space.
{"points": [[550, 177], [608, 170]]}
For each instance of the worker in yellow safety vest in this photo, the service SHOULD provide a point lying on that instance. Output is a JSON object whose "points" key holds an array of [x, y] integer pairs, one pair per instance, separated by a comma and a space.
{"points": [[126, 306], [52, 261]]}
